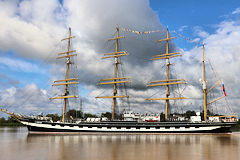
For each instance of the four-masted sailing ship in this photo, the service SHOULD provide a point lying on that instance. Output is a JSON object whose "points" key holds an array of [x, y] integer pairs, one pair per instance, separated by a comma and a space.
{"points": [[131, 122]]}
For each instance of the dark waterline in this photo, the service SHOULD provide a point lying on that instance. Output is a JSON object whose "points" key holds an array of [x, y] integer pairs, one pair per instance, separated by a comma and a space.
{"points": [[16, 143]]}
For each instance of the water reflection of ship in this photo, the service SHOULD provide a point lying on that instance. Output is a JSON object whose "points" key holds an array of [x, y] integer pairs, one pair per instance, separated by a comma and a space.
{"points": [[131, 122], [218, 139], [137, 146]]}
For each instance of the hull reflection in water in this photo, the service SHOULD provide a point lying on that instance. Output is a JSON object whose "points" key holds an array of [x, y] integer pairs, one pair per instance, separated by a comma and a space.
{"points": [[116, 147], [18, 144]]}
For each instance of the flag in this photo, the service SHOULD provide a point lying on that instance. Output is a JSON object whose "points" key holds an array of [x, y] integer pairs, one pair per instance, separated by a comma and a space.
{"points": [[224, 90], [138, 32]]}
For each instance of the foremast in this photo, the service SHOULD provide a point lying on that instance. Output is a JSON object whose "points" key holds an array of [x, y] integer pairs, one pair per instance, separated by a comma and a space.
{"points": [[67, 81], [167, 82], [116, 80]]}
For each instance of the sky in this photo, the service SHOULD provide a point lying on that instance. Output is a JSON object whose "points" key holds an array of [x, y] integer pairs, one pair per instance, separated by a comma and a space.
{"points": [[31, 30]]}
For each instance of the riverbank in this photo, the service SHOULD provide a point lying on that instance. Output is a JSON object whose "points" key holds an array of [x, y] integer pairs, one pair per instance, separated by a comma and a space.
{"points": [[236, 128], [11, 124]]}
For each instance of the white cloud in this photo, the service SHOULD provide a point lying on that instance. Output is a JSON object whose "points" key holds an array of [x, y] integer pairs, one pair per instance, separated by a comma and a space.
{"points": [[182, 28], [8, 7], [29, 99], [200, 32], [236, 11], [27, 32]]}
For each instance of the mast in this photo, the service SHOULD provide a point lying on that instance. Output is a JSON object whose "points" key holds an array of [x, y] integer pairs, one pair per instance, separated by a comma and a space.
{"points": [[167, 86], [116, 79], [204, 83], [67, 81], [206, 90], [115, 76], [168, 81]]}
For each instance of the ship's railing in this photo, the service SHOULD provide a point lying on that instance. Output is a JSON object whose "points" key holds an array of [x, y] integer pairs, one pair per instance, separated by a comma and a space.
{"points": [[225, 118]]}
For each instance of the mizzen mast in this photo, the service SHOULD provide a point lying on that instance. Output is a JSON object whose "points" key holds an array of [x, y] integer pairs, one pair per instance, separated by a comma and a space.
{"points": [[168, 81], [116, 80], [206, 90], [67, 81]]}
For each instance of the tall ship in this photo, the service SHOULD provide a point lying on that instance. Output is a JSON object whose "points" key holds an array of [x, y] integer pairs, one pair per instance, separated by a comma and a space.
{"points": [[130, 122]]}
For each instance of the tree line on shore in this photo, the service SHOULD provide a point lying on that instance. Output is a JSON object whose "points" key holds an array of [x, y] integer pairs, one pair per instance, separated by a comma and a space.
{"points": [[10, 121]]}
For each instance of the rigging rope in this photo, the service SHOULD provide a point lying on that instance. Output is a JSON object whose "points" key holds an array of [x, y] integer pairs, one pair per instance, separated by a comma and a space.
{"points": [[186, 38], [215, 74]]}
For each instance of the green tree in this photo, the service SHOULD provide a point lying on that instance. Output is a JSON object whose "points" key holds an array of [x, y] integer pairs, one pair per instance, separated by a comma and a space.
{"points": [[107, 114], [190, 113], [2, 120], [86, 115], [74, 113], [55, 117]]}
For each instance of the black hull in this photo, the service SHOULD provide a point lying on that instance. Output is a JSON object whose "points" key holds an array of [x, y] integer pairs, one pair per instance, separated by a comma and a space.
{"points": [[33, 129], [129, 127]]}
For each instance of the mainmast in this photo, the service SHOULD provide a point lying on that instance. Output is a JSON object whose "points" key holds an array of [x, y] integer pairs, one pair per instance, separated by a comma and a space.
{"points": [[67, 81], [116, 79], [168, 81]]}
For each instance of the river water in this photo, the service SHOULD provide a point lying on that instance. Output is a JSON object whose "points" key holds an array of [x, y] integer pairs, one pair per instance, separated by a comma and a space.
{"points": [[17, 144]]}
